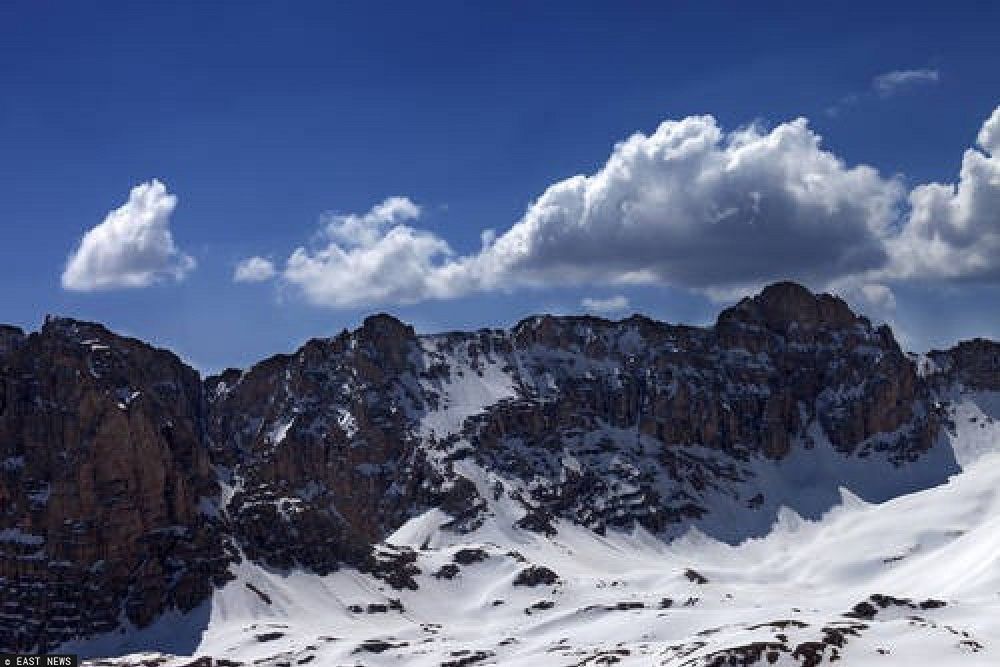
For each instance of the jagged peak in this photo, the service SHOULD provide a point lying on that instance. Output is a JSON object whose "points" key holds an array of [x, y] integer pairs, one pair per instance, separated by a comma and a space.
{"points": [[975, 362], [780, 304], [70, 331], [75, 330], [70, 326], [228, 376], [533, 322], [384, 325], [978, 344]]}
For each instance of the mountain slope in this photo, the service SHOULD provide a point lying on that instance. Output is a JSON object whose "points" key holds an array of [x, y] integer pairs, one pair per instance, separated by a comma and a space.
{"points": [[913, 580]]}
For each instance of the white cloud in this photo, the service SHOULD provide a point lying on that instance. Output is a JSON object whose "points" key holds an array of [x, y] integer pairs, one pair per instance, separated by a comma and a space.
{"points": [[372, 258], [132, 247], [689, 206], [884, 86], [877, 300], [610, 305], [360, 230], [254, 270], [879, 296], [694, 207], [892, 82], [953, 230]]}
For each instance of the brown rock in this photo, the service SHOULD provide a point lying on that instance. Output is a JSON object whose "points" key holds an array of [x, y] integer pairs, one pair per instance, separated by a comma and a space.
{"points": [[103, 485]]}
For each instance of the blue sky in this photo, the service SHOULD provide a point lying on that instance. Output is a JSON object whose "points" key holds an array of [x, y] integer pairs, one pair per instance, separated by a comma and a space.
{"points": [[273, 127]]}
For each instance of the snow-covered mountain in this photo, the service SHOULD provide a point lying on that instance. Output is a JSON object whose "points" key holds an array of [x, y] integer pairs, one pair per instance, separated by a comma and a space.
{"points": [[786, 487]]}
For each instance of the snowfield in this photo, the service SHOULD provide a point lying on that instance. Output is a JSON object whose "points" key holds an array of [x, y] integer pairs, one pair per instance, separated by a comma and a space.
{"points": [[913, 580]]}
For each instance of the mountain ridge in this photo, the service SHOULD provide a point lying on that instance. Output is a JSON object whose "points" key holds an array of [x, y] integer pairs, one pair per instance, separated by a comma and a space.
{"points": [[126, 472]]}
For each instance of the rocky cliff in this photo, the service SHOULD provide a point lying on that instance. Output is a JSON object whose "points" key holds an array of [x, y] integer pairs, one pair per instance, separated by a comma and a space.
{"points": [[103, 475], [128, 485], [975, 364]]}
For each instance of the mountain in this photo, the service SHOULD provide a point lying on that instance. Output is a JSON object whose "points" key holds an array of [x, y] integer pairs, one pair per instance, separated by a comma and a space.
{"points": [[382, 496]]}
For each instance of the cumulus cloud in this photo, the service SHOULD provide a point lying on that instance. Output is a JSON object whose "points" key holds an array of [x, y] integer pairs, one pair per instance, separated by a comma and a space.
{"points": [[362, 230], [254, 270], [689, 206], [132, 247], [953, 230], [892, 82], [695, 207], [608, 306], [372, 258]]}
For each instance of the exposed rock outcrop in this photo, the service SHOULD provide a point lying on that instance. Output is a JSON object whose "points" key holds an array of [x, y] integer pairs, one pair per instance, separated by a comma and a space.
{"points": [[973, 363], [322, 457], [103, 483]]}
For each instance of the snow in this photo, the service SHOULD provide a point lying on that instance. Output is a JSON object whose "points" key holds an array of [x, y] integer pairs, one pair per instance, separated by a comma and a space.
{"points": [[834, 531], [125, 396], [40, 496], [280, 430], [347, 422], [12, 463], [810, 481], [467, 391], [976, 417], [15, 535], [926, 365]]}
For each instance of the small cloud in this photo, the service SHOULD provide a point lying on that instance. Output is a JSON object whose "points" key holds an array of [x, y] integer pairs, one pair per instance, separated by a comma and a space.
{"points": [[614, 304], [876, 301], [132, 247], [880, 296], [373, 257], [254, 270], [891, 82]]}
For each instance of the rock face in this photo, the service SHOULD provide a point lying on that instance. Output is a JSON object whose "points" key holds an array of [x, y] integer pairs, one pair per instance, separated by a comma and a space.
{"points": [[321, 456], [973, 363], [102, 469], [658, 416], [856, 375], [128, 485]]}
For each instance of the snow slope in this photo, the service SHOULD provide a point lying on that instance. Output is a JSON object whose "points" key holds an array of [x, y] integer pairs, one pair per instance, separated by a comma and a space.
{"points": [[631, 599]]}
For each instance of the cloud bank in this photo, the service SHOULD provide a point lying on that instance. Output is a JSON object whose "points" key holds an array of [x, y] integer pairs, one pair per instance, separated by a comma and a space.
{"points": [[133, 247], [689, 206]]}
